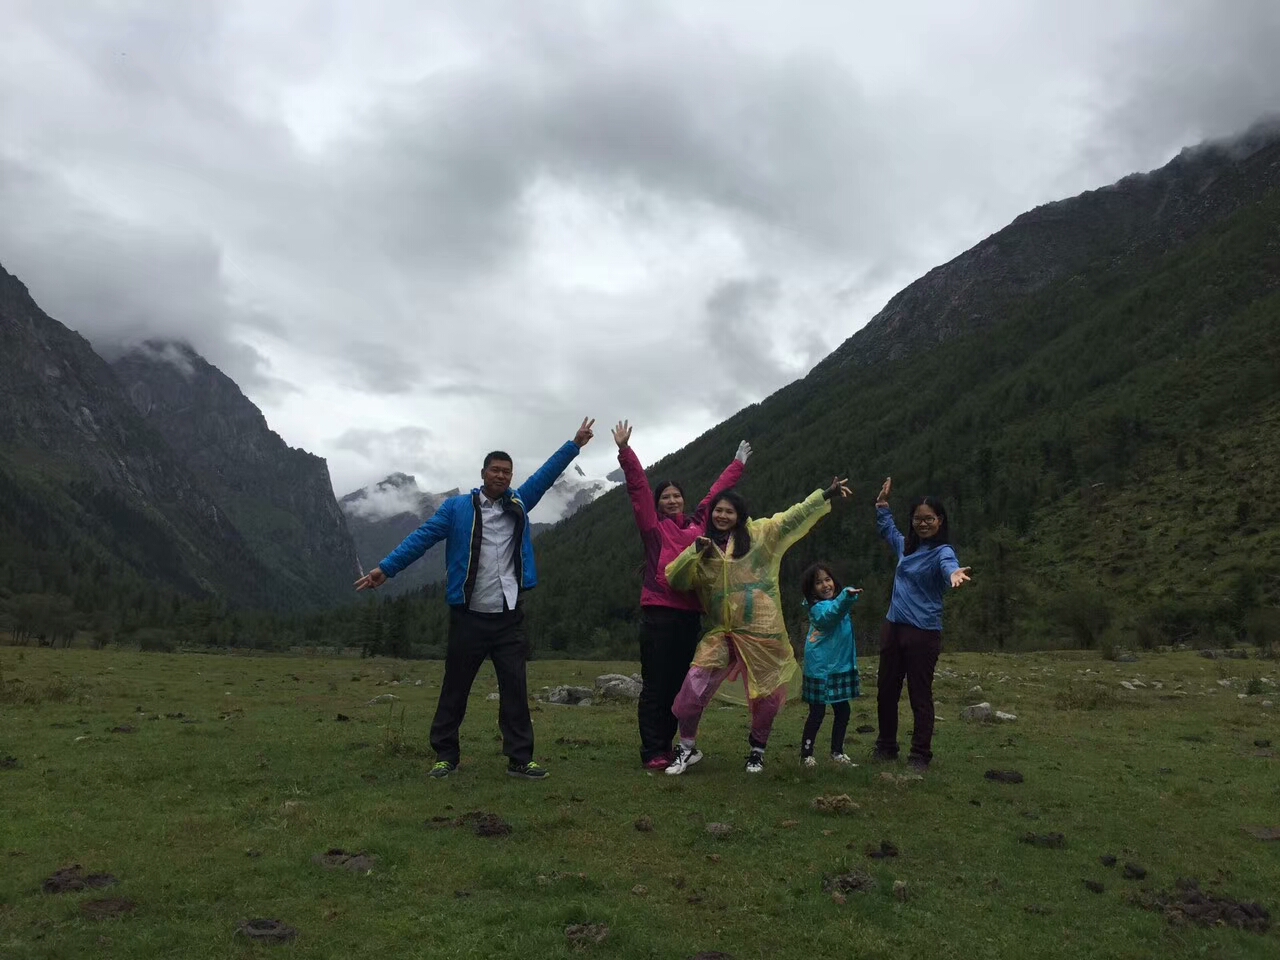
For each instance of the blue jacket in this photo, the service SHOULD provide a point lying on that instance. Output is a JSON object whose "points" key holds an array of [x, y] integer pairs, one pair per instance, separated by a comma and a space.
{"points": [[457, 522], [922, 579], [829, 647]]}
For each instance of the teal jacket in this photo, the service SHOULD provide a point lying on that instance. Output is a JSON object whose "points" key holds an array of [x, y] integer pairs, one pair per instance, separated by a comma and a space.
{"points": [[829, 647]]}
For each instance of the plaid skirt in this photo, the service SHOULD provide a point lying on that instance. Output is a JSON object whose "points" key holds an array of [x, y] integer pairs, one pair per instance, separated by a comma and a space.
{"points": [[835, 688]]}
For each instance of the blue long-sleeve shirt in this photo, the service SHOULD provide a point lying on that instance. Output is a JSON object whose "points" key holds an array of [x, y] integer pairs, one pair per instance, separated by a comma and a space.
{"points": [[921, 580]]}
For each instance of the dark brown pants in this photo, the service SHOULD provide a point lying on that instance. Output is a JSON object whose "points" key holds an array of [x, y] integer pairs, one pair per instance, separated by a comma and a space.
{"points": [[908, 653]]}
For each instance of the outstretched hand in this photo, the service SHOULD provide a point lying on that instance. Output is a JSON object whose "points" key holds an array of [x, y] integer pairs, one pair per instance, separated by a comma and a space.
{"points": [[960, 576], [744, 451], [853, 591], [585, 433], [882, 498], [838, 488], [622, 434], [371, 580]]}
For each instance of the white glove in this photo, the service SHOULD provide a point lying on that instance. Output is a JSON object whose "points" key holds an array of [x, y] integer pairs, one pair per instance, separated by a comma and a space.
{"points": [[744, 451]]}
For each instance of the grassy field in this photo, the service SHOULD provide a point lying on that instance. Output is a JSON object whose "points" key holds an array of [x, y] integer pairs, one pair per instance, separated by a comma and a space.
{"points": [[208, 784]]}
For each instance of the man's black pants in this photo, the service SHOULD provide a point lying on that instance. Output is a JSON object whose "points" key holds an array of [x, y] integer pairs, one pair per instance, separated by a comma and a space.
{"points": [[472, 638]]}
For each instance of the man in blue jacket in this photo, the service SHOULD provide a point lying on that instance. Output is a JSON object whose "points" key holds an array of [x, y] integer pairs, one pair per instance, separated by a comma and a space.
{"points": [[489, 556]]}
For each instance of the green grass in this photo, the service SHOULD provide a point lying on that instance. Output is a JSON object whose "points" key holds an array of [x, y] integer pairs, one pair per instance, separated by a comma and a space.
{"points": [[212, 822]]}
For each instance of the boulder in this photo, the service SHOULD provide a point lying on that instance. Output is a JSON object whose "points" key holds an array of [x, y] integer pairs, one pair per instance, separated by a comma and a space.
{"points": [[615, 686], [977, 713], [566, 694]]}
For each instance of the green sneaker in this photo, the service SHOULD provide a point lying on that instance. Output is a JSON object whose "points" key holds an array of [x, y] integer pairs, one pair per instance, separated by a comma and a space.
{"points": [[527, 771], [442, 769]]}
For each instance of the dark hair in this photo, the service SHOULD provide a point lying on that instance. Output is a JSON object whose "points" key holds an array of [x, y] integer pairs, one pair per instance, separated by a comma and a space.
{"points": [[661, 488], [741, 538], [496, 455], [809, 580], [938, 539]]}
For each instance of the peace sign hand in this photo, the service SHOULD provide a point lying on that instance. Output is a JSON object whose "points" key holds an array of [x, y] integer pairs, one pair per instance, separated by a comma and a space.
{"points": [[838, 487], [585, 433], [371, 580]]}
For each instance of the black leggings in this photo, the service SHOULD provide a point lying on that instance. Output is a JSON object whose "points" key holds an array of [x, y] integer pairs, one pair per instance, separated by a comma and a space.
{"points": [[839, 724]]}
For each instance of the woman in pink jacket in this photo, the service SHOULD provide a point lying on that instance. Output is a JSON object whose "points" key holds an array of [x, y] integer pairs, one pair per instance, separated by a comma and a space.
{"points": [[670, 621]]}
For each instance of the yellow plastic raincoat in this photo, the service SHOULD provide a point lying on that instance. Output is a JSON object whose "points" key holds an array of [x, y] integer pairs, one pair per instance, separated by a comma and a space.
{"points": [[741, 599]]}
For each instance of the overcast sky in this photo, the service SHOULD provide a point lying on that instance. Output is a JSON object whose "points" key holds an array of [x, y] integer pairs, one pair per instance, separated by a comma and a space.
{"points": [[418, 233]]}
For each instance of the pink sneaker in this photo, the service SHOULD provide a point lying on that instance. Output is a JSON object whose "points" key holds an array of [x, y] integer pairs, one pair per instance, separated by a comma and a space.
{"points": [[660, 762]]}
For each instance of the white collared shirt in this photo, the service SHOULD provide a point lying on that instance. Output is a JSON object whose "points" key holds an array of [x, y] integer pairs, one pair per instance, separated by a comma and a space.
{"points": [[496, 566]]}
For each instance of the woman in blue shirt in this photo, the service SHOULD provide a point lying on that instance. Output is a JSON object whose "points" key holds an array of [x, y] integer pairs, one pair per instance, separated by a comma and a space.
{"points": [[911, 637]]}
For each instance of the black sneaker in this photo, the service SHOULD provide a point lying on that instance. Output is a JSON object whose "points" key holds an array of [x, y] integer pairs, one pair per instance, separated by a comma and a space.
{"points": [[755, 762], [881, 756], [527, 771], [918, 765], [442, 769]]}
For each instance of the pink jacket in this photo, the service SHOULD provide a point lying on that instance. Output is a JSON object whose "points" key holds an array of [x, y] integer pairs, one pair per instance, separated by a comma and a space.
{"points": [[665, 538]]}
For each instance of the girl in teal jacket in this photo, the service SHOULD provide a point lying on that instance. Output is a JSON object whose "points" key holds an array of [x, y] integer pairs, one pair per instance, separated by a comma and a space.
{"points": [[830, 660]]}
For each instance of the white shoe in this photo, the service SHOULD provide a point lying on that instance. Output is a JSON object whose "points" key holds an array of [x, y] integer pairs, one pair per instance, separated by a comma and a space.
{"points": [[755, 762], [809, 762], [685, 758], [842, 759]]}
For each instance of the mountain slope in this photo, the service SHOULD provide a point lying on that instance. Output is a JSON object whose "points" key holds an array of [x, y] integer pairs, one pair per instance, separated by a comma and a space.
{"points": [[279, 497], [93, 502], [381, 515], [1093, 392]]}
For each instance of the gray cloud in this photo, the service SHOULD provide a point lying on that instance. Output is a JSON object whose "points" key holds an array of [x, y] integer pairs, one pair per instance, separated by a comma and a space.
{"points": [[494, 218]]}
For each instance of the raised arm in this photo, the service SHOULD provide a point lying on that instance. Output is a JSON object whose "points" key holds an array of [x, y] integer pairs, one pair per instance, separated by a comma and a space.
{"points": [[783, 529], [421, 540], [533, 489], [638, 489], [682, 572], [727, 480], [889, 530], [825, 614]]}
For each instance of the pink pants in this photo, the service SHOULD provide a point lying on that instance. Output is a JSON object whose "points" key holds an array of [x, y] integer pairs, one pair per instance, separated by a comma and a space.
{"points": [[701, 684]]}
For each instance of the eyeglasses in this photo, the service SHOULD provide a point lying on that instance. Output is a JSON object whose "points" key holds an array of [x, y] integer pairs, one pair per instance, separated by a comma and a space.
{"points": [[924, 521]]}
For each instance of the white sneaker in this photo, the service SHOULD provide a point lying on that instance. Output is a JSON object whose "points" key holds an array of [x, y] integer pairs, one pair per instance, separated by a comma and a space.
{"points": [[842, 759], [809, 762], [685, 758], [755, 762]]}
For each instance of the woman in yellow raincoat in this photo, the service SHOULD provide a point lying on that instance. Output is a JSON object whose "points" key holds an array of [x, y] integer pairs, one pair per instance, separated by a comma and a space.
{"points": [[734, 571]]}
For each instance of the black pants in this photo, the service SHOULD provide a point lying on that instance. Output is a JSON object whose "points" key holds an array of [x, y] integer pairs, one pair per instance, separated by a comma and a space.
{"points": [[909, 653], [668, 638], [472, 638], [839, 725]]}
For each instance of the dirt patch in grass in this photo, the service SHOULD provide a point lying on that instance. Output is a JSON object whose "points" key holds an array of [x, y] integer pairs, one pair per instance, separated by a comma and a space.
{"points": [[109, 907], [73, 878], [1050, 841], [339, 859], [584, 934], [1004, 776], [1263, 833], [266, 931], [883, 852], [483, 824], [838, 803], [1188, 904], [855, 881]]}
